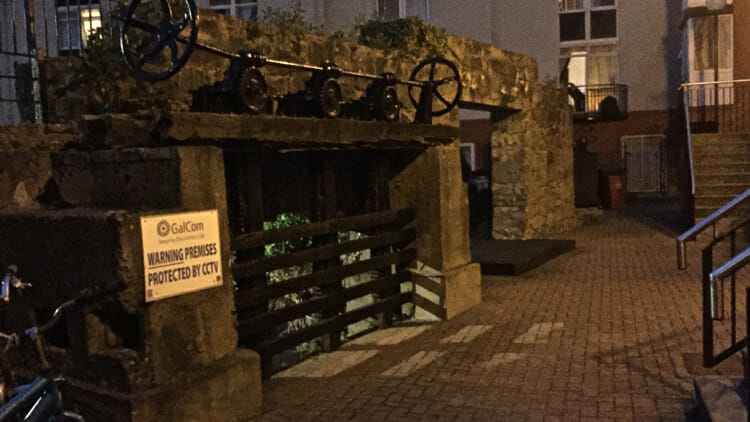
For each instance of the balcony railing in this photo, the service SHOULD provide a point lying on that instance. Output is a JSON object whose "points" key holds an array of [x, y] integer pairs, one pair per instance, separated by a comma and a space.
{"points": [[718, 107], [600, 103]]}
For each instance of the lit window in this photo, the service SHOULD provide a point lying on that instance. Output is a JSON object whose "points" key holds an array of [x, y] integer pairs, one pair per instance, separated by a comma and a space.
{"points": [[75, 22], [242, 9], [399, 9]]}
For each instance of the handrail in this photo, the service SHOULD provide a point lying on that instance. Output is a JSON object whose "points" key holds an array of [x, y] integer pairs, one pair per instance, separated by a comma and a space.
{"points": [[689, 141], [725, 270], [689, 84], [699, 228]]}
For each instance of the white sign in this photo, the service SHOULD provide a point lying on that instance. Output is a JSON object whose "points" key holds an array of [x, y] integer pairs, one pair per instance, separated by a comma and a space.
{"points": [[181, 253]]}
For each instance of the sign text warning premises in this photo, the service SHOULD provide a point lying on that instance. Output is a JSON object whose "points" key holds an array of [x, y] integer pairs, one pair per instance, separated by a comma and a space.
{"points": [[181, 253]]}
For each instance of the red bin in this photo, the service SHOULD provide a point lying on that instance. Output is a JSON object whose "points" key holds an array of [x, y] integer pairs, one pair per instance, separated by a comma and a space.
{"points": [[618, 188]]}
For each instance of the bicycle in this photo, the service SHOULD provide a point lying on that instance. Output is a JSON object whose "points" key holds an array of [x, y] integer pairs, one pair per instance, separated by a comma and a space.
{"points": [[40, 400]]}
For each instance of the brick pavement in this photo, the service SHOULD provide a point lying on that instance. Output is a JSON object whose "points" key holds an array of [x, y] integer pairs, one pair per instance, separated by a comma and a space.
{"points": [[599, 334]]}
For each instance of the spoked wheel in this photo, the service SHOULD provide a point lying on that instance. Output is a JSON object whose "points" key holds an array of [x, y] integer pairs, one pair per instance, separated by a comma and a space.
{"points": [[250, 91], [329, 98], [443, 76], [150, 34]]}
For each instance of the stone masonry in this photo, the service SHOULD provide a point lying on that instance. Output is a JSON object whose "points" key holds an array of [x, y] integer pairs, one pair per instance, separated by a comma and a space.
{"points": [[532, 151], [532, 168]]}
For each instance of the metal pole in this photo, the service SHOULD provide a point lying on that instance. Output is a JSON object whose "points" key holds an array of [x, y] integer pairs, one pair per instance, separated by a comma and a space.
{"points": [[708, 331], [716, 70], [746, 360]]}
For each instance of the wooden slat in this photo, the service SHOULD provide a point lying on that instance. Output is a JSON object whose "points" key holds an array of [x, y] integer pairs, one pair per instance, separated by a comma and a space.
{"points": [[257, 295], [430, 285], [268, 348], [254, 325], [244, 270], [355, 223], [429, 306]]}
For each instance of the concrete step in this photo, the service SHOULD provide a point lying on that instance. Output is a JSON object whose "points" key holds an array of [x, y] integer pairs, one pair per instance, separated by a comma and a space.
{"points": [[717, 158], [721, 399], [727, 147], [717, 178], [731, 165], [703, 212], [716, 201], [733, 189], [703, 139]]}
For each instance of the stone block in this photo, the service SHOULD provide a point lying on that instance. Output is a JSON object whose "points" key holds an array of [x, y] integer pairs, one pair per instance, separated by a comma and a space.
{"points": [[229, 390], [226, 390], [432, 185], [463, 289], [130, 179]]}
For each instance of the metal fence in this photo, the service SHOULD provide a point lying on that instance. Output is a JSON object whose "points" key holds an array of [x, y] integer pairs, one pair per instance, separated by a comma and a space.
{"points": [[722, 107], [30, 29], [599, 102]]}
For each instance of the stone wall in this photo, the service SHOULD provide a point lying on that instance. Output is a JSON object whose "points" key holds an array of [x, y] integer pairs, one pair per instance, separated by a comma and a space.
{"points": [[532, 171], [25, 157], [490, 75], [539, 135]]}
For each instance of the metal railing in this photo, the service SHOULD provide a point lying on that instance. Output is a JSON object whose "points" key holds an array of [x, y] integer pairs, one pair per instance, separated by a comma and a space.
{"points": [[706, 223], [713, 284], [713, 294], [729, 270], [603, 102], [689, 135], [718, 107]]}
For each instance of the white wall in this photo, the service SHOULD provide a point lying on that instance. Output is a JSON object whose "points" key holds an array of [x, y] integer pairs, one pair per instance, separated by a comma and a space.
{"points": [[649, 52], [468, 19], [530, 27]]}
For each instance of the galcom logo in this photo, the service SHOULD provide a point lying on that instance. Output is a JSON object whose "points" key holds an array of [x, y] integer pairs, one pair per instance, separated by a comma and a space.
{"points": [[162, 228]]}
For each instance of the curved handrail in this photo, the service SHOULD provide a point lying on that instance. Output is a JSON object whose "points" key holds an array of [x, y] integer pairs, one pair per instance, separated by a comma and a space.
{"points": [[707, 222]]}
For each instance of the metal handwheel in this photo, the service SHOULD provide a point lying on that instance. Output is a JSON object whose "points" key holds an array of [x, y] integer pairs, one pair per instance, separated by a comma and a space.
{"points": [[150, 33], [437, 65]]}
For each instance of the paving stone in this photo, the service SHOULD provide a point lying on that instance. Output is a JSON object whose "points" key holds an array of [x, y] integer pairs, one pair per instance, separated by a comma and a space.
{"points": [[415, 362], [467, 334], [388, 336], [327, 364], [605, 330]]}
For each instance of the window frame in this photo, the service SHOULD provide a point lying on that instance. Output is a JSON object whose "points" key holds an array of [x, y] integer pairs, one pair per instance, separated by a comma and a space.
{"points": [[402, 10], [73, 10], [233, 5], [588, 55], [587, 9]]}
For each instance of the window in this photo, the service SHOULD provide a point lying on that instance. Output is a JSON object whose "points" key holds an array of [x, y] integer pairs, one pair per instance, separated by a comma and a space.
{"points": [[704, 43], [75, 22], [589, 66], [242, 9], [585, 20], [710, 58], [398, 9], [467, 155]]}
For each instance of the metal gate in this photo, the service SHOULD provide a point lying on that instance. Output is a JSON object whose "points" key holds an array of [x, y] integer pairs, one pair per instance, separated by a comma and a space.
{"points": [[642, 155]]}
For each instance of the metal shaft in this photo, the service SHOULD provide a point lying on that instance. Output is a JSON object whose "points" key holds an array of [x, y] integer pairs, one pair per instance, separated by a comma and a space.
{"points": [[279, 63]]}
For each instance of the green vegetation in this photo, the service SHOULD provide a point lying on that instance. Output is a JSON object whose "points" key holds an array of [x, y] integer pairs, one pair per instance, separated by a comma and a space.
{"points": [[104, 78], [290, 18], [410, 36]]}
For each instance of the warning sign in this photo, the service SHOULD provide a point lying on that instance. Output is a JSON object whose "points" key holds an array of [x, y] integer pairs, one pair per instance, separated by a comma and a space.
{"points": [[181, 253]]}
